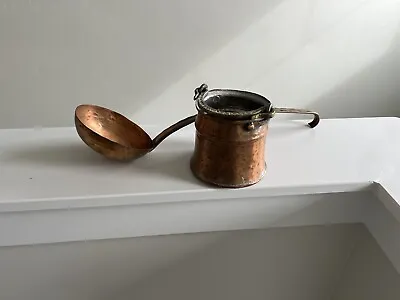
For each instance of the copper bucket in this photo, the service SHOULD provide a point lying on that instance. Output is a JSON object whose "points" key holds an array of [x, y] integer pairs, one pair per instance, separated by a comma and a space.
{"points": [[231, 128]]}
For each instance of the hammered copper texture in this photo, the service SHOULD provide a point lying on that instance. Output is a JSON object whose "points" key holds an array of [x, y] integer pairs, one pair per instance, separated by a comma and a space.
{"points": [[226, 153], [111, 134]]}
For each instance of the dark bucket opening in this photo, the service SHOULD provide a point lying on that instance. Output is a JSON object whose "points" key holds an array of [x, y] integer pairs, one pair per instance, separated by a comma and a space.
{"points": [[234, 101]]}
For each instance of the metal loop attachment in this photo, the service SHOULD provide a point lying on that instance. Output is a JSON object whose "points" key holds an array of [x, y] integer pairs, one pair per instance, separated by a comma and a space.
{"points": [[260, 119], [200, 90]]}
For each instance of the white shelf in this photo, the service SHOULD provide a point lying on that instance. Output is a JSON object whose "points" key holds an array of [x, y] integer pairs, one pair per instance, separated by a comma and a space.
{"points": [[52, 168], [55, 189]]}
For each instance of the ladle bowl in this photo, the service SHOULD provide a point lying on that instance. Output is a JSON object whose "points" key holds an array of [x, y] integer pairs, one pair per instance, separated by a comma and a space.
{"points": [[115, 136]]}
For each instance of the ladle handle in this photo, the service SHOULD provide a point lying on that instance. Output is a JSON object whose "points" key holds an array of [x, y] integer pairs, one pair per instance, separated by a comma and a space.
{"points": [[171, 129], [283, 110]]}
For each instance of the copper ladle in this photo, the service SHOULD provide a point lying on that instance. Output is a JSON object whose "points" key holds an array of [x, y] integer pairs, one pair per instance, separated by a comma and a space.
{"points": [[115, 136]]}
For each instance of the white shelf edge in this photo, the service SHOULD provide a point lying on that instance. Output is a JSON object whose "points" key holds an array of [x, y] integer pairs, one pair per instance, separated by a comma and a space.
{"points": [[165, 197]]}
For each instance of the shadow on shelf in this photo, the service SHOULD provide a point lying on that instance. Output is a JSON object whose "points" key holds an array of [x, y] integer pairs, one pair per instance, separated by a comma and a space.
{"points": [[169, 161]]}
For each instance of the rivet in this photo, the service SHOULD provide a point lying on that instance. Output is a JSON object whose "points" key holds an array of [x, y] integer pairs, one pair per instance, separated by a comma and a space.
{"points": [[251, 126]]}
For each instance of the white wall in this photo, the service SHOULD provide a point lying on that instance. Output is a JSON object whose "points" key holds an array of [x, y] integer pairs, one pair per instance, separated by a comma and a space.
{"points": [[368, 275], [301, 263], [144, 57], [219, 265], [337, 262]]}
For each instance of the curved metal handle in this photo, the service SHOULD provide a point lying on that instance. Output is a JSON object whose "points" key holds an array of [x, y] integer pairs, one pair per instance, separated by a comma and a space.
{"points": [[312, 124], [171, 129]]}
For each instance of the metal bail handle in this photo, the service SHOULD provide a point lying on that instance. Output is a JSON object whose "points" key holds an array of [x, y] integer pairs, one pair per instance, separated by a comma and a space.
{"points": [[269, 113], [284, 110]]}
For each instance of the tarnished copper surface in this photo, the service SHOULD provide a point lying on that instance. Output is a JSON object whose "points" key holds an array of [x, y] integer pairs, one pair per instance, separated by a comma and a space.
{"points": [[111, 134], [231, 129], [116, 137], [227, 152]]}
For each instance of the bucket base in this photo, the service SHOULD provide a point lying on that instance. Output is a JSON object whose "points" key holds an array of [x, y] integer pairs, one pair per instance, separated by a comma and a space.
{"points": [[226, 185]]}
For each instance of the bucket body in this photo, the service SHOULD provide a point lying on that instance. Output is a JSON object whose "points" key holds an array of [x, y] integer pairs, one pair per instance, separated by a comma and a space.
{"points": [[228, 153], [231, 128]]}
